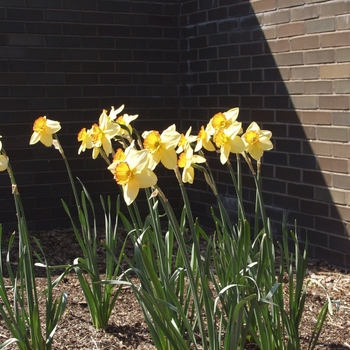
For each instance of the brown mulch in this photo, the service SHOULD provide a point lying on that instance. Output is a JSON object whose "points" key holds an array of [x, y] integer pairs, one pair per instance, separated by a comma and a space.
{"points": [[127, 329]]}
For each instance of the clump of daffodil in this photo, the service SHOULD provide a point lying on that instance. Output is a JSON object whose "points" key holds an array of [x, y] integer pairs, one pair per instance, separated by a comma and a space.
{"points": [[3, 159], [99, 136], [257, 141], [133, 171], [228, 141], [43, 130], [162, 146], [185, 161]]}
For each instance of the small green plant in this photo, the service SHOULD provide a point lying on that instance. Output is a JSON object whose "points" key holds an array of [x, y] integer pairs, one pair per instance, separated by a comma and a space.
{"points": [[100, 296], [19, 308]]}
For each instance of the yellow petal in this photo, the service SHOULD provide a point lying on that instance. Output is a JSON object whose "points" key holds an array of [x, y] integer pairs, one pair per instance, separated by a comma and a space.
{"points": [[131, 190], [224, 153], [146, 178], [46, 139], [52, 126], [168, 157], [256, 152], [188, 175], [34, 138], [237, 145]]}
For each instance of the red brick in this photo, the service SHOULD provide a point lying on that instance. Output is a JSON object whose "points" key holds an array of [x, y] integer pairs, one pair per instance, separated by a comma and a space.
{"points": [[289, 59], [335, 39], [263, 5], [340, 71], [304, 73], [304, 13], [316, 117], [319, 56], [304, 102], [342, 86], [341, 118], [317, 148], [294, 87], [269, 32], [291, 29], [341, 150], [320, 25], [304, 42], [342, 54], [333, 164], [337, 134], [341, 181], [342, 22], [333, 8], [318, 87], [330, 195], [277, 17], [289, 3], [334, 102], [279, 45]]}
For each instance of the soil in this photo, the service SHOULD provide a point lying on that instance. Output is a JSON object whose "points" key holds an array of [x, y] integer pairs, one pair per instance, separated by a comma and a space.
{"points": [[127, 329]]}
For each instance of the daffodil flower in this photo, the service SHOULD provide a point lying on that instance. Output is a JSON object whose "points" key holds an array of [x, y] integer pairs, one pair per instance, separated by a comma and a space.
{"points": [[257, 141], [43, 130], [114, 112], [162, 146], [125, 120], [185, 141], [134, 172], [228, 141], [222, 120], [102, 133], [185, 161], [84, 136], [203, 140]]}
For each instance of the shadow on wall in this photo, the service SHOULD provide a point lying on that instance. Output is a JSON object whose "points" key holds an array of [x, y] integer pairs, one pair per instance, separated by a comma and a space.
{"points": [[226, 62]]}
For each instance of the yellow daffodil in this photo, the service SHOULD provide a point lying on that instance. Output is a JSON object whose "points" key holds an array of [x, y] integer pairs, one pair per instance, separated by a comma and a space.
{"points": [[125, 120], [257, 141], [114, 112], [43, 130], [134, 172], [203, 140], [185, 141], [228, 141], [108, 126], [222, 120], [162, 146], [185, 161], [84, 136], [101, 135]]}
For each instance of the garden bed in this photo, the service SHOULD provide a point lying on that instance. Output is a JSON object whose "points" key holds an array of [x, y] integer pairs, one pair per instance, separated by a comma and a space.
{"points": [[127, 330]]}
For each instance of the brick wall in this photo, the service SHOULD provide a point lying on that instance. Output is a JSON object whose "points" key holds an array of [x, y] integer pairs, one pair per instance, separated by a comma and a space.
{"points": [[68, 60], [285, 63]]}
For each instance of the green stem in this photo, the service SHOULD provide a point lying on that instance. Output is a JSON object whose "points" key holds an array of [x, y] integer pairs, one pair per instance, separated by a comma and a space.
{"points": [[75, 193], [238, 187], [182, 247]]}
